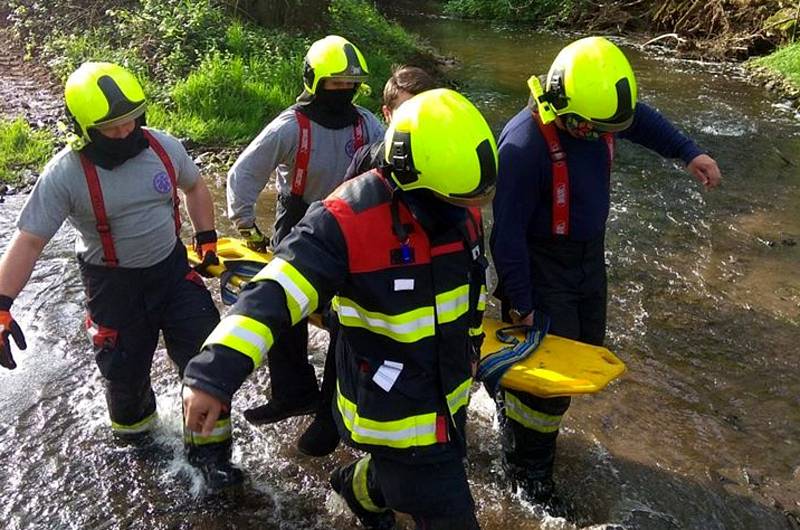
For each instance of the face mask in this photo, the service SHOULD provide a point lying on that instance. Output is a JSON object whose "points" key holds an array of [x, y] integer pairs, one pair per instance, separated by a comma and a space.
{"points": [[109, 153], [336, 100], [333, 109], [580, 129]]}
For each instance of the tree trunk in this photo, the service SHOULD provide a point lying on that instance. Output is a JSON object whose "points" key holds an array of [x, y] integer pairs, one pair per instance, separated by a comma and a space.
{"points": [[300, 14]]}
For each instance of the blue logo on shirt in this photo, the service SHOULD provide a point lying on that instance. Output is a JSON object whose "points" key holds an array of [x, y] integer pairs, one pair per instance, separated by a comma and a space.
{"points": [[161, 182], [350, 148]]}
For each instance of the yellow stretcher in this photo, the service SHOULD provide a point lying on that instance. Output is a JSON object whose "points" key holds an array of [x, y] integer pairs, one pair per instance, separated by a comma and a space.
{"points": [[558, 367]]}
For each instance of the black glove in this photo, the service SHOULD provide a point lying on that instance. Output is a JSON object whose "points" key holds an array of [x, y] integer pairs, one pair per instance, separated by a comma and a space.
{"points": [[253, 238], [205, 246], [8, 326]]}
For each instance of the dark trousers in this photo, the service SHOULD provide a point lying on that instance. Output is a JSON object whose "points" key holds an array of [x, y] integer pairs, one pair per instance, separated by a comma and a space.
{"points": [[569, 282], [328, 386], [293, 378], [127, 310], [436, 495]]}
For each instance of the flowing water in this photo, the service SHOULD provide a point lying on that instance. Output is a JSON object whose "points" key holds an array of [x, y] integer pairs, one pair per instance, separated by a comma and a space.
{"points": [[702, 432]]}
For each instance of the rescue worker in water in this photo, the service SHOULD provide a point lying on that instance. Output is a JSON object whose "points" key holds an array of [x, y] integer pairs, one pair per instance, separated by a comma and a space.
{"points": [[399, 251], [117, 183]]}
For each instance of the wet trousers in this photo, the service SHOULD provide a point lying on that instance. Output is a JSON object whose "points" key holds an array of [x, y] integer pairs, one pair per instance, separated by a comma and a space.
{"points": [[127, 309], [436, 495], [569, 282]]}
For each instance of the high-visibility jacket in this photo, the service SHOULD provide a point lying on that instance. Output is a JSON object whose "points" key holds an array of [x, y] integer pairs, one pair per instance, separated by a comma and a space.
{"points": [[409, 306]]}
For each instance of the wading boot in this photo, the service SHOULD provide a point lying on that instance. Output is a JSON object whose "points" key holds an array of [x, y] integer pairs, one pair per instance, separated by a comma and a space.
{"points": [[321, 437], [535, 485], [213, 462], [278, 409], [342, 483]]}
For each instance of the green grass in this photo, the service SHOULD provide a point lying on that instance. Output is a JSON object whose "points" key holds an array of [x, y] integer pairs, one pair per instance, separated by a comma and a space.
{"points": [[22, 148], [785, 61], [227, 99], [217, 79]]}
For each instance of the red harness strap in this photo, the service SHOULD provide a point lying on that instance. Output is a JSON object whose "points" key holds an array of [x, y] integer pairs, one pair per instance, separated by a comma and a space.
{"points": [[560, 172], [96, 195], [304, 150], [98, 205], [173, 178]]}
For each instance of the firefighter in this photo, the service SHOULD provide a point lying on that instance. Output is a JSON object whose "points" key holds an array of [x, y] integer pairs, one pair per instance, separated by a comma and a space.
{"points": [[308, 146], [117, 183], [550, 211], [321, 438], [399, 252]]}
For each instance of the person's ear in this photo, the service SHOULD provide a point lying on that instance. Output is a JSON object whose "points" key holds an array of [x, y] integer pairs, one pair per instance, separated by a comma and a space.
{"points": [[387, 113]]}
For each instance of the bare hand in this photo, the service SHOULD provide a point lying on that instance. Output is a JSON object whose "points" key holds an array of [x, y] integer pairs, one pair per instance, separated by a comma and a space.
{"points": [[527, 320], [705, 169], [201, 410]]}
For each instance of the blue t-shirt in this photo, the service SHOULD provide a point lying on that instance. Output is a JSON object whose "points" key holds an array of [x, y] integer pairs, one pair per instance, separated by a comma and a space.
{"points": [[523, 202]]}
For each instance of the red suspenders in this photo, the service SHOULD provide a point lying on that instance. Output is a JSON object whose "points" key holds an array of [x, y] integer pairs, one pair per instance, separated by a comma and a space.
{"points": [[173, 178], [304, 150], [561, 174], [98, 205]]}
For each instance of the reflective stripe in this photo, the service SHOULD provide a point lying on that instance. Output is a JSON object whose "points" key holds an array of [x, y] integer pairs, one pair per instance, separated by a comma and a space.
{"points": [[406, 327], [360, 489], [482, 299], [413, 431], [144, 425], [474, 332], [221, 433], [529, 418], [243, 334], [459, 397], [301, 296], [452, 304]]}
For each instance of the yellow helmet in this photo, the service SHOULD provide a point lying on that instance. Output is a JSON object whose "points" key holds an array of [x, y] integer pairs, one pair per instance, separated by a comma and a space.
{"points": [[101, 94], [590, 81], [335, 57], [439, 141]]}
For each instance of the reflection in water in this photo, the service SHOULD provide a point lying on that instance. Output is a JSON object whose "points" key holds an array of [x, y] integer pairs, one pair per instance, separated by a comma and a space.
{"points": [[704, 307]]}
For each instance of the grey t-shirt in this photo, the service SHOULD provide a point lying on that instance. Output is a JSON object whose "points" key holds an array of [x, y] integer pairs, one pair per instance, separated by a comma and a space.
{"points": [[137, 197], [275, 149]]}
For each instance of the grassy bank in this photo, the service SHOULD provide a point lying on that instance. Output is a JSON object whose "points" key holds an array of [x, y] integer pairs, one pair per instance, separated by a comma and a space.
{"points": [[211, 74], [22, 148], [713, 29], [784, 62]]}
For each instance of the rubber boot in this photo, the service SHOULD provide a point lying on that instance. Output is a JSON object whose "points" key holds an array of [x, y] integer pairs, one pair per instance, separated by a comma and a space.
{"points": [[277, 409], [342, 483], [320, 438], [214, 462], [529, 456]]}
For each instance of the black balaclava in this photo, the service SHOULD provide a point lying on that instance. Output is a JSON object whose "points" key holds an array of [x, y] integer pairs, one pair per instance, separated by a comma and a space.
{"points": [[333, 109], [109, 153], [436, 216]]}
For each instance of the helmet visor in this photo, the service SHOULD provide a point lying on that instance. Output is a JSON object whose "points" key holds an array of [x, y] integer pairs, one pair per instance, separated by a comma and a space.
{"points": [[478, 200], [119, 120]]}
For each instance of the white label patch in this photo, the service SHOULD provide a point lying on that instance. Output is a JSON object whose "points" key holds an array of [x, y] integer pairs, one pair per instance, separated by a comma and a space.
{"points": [[387, 374], [404, 284]]}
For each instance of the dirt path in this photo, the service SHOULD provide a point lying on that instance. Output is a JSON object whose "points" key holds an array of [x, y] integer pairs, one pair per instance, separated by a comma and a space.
{"points": [[26, 88]]}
